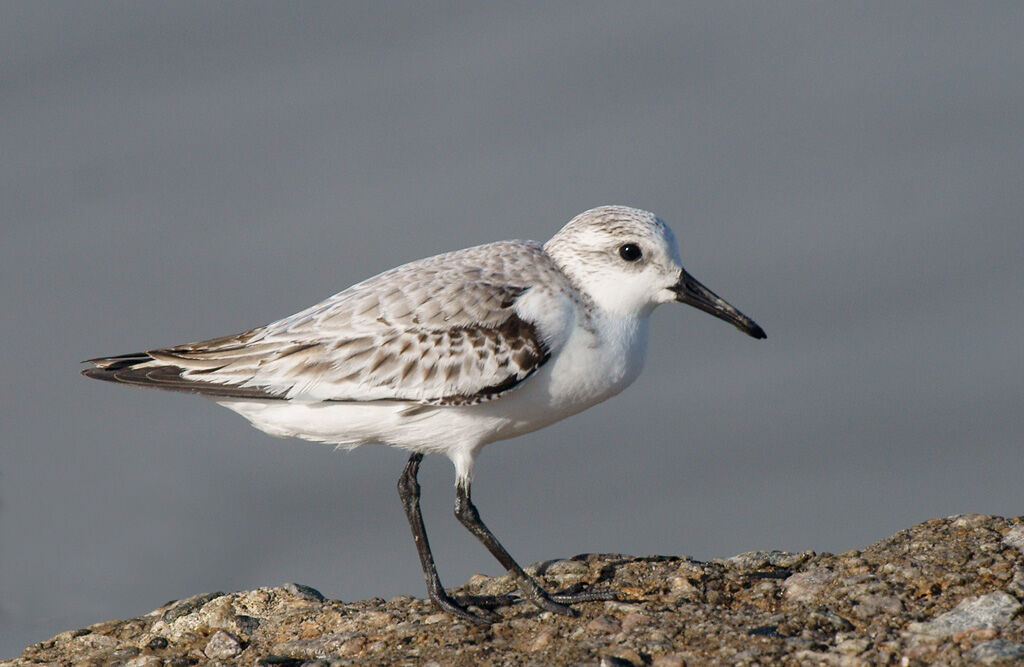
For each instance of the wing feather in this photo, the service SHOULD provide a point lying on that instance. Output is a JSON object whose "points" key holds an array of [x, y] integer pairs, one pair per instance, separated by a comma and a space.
{"points": [[441, 331]]}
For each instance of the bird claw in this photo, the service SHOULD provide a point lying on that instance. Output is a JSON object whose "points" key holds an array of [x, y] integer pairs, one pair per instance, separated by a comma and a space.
{"points": [[459, 608], [486, 601], [482, 605], [575, 595]]}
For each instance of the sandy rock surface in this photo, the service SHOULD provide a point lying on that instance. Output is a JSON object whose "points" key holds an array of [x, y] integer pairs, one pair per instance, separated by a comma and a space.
{"points": [[947, 591]]}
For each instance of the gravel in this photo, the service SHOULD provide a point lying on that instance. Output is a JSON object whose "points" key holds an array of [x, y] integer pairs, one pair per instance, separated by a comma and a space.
{"points": [[945, 591]]}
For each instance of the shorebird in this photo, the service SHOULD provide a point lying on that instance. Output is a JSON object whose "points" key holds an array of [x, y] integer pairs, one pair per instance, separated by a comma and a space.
{"points": [[450, 353]]}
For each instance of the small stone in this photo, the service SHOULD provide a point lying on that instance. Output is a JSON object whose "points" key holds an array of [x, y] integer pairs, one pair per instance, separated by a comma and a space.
{"points": [[827, 619], [759, 560], [376, 618], [622, 656], [616, 661], [622, 607], [157, 643], [671, 660], [222, 645], [807, 585], [1015, 538], [542, 640], [94, 641], [750, 560], [188, 606], [1016, 585], [764, 631], [632, 620], [304, 592], [852, 646], [996, 651], [681, 586], [566, 567], [144, 661], [245, 625], [871, 605], [968, 521], [315, 647], [975, 635], [435, 618], [477, 580], [993, 610], [604, 623], [124, 653]]}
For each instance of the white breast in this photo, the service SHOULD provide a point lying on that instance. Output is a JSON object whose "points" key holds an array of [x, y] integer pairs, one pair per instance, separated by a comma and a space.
{"points": [[594, 364]]}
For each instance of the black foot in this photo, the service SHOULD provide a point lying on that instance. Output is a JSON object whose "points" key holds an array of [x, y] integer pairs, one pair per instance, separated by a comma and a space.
{"points": [[554, 602], [487, 601], [476, 609], [558, 602], [542, 600], [459, 608]]}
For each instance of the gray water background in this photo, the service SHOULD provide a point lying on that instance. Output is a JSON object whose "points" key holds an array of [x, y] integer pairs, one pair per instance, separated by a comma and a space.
{"points": [[850, 175]]}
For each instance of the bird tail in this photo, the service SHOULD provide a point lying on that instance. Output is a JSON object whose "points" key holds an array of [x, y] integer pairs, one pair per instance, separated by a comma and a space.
{"points": [[157, 369]]}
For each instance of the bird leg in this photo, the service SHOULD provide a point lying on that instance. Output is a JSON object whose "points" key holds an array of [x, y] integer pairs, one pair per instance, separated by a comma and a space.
{"points": [[466, 513], [409, 492]]}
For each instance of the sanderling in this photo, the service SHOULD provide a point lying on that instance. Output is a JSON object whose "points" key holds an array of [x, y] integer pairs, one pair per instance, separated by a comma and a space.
{"points": [[448, 354]]}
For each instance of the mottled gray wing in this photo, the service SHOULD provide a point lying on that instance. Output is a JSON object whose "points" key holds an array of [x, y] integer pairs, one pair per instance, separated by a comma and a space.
{"points": [[440, 331]]}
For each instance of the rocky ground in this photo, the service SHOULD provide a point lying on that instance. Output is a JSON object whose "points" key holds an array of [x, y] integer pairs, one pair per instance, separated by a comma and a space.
{"points": [[946, 591]]}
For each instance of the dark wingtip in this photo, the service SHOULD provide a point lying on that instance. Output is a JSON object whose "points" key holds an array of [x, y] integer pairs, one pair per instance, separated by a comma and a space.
{"points": [[756, 332], [98, 374]]}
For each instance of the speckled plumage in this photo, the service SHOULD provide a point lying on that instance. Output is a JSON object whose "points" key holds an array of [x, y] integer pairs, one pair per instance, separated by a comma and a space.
{"points": [[444, 354], [439, 331]]}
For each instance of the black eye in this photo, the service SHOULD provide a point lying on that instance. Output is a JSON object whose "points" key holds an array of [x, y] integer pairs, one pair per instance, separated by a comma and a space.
{"points": [[630, 252]]}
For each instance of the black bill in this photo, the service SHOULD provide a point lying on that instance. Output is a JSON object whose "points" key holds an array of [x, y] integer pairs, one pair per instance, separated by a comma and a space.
{"points": [[689, 291]]}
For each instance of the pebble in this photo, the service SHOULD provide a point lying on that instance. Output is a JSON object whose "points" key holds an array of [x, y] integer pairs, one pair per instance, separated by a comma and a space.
{"points": [[222, 645], [622, 657], [604, 623], [668, 661], [622, 607], [93, 641], [560, 568], [968, 521], [758, 560], [1015, 538], [144, 661], [872, 605], [853, 646], [478, 579], [993, 610], [632, 620], [304, 592], [157, 643], [542, 640], [807, 585], [681, 586], [996, 651]]}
